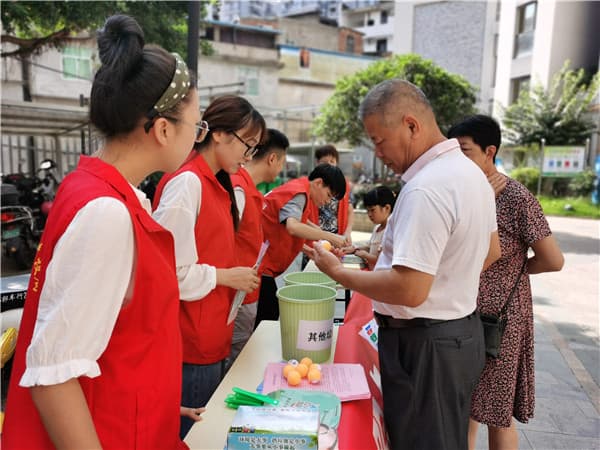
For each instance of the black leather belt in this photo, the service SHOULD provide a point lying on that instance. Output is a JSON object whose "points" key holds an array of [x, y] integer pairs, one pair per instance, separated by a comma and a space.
{"points": [[391, 322]]}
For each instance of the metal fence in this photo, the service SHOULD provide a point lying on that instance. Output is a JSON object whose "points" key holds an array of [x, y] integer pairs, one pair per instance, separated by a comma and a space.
{"points": [[22, 154]]}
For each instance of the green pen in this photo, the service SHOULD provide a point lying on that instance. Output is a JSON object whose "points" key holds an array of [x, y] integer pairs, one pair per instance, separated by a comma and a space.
{"points": [[255, 396], [235, 398], [234, 402]]}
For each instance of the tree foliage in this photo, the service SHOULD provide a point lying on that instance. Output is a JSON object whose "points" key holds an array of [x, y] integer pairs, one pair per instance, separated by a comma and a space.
{"points": [[34, 25], [450, 95], [559, 114]]}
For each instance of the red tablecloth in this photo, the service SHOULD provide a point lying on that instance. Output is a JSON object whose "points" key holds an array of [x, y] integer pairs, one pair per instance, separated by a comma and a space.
{"points": [[361, 425]]}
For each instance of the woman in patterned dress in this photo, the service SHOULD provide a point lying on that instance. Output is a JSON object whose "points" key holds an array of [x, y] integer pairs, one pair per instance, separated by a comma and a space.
{"points": [[506, 386]]}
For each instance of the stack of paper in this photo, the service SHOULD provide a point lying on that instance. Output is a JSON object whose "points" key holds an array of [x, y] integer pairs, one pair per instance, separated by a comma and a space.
{"points": [[347, 381]]}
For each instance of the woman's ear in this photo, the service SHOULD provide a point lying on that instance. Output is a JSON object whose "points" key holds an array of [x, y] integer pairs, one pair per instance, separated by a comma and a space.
{"points": [[161, 130], [219, 136], [490, 151]]}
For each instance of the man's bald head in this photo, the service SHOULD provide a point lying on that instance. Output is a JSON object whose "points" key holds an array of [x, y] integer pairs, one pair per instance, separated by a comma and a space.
{"points": [[394, 98]]}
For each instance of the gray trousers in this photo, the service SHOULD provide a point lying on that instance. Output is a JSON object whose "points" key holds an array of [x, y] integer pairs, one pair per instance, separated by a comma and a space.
{"points": [[242, 330]]}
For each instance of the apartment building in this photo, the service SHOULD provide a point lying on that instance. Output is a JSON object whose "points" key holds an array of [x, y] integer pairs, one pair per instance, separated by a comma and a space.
{"points": [[536, 38], [375, 20]]}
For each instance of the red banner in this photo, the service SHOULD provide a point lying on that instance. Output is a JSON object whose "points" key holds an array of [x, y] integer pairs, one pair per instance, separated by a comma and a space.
{"points": [[357, 343]]}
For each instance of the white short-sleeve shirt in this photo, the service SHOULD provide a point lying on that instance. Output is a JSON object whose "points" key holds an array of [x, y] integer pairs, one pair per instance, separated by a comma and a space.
{"points": [[178, 211], [441, 225], [87, 282]]}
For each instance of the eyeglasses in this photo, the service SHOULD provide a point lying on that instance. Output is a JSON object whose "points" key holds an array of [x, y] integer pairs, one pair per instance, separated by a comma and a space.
{"points": [[250, 149], [201, 127]]}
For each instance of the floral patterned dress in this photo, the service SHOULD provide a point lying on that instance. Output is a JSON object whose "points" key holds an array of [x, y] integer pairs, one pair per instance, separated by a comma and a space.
{"points": [[506, 386]]}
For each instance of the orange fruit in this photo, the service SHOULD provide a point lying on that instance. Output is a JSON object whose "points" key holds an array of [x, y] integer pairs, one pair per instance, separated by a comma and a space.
{"points": [[286, 369], [306, 361], [314, 376], [302, 369], [326, 245], [294, 378]]}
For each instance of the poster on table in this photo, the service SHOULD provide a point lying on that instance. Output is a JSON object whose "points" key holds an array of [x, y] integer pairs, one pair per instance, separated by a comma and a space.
{"points": [[357, 343], [563, 161]]}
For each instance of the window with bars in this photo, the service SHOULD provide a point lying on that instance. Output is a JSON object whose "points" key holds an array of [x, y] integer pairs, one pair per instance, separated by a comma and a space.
{"points": [[77, 62], [249, 75]]}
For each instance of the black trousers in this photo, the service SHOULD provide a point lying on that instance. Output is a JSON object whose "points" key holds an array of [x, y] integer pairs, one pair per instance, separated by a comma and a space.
{"points": [[428, 374], [268, 305]]}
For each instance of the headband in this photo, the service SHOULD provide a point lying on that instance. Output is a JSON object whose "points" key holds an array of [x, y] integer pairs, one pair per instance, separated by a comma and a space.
{"points": [[176, 89]]}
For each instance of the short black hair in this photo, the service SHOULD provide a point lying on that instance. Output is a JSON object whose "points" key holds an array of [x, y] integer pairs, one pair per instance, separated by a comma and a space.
{"points": [[380, 196], [484, 131], [276, 140], [332, 177], [327, 150]]}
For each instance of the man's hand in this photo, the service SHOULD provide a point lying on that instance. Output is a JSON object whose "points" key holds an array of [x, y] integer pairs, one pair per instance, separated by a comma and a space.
{"points": [[326, 261], [498, 182]]}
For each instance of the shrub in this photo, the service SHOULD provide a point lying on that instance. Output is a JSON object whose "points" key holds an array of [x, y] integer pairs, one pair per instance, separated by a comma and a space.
{"points": [[527, 176], [582, 183]]}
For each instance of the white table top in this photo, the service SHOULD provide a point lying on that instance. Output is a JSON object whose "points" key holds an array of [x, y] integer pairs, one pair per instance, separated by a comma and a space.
{"points": [[247, 372]]}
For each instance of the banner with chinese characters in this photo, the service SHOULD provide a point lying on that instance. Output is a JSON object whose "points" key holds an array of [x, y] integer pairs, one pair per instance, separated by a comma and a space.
{"points": [[361, 426], [563, 161]]}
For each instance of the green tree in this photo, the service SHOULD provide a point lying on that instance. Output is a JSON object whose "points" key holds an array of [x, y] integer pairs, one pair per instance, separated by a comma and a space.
{"points": [[450, 95], [558, 114], [34, 25]]}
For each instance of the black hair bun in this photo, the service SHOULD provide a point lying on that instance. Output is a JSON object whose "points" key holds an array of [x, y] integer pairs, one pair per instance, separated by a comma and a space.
{"points": [[120, 43]]}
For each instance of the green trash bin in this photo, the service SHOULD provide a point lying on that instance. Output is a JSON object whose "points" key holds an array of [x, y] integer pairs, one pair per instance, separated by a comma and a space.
{"points": [[309, 278], [306, 321]]}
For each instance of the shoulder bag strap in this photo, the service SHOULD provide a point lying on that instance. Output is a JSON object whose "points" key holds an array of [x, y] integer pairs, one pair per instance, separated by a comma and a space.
{"points": [[514, 289]]}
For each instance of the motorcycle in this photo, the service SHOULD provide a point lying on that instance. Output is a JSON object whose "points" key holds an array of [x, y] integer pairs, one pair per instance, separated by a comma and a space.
{"points": [[18, 238], [26, 202]]}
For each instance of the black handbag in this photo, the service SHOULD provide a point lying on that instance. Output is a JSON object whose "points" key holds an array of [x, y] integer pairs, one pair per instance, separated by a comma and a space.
{"points": [[493, 325]]}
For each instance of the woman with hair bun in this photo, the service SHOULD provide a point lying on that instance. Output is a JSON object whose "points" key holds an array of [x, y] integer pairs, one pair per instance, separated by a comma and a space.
{"points": [[197, 204], [98, 359]]}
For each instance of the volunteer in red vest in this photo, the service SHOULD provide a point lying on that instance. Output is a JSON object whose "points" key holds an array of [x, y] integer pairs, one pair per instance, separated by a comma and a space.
{"points": [[197, 204], [336, 216], [264, 167], [98, 359], [285, 215]]}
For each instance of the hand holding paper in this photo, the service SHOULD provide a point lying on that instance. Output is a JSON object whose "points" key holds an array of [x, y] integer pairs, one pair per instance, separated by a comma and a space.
{"points": [[240, 295]]}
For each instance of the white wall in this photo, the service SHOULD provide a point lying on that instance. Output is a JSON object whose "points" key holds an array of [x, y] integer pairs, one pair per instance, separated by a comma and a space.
{"points": [[49, 85], [506, 29], [403, 28], [227, 65]]}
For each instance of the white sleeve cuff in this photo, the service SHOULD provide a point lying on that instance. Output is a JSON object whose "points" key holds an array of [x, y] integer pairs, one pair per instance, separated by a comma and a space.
{"points": [[59, 373], [196, 281]]}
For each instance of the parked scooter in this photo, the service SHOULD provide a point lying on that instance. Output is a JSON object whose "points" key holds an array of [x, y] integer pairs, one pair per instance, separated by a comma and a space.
{"points": [[18, 239], [26, 202]]}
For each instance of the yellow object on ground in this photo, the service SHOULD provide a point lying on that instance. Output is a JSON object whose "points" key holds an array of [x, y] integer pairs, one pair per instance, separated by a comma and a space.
{"points": [[8, 342]]}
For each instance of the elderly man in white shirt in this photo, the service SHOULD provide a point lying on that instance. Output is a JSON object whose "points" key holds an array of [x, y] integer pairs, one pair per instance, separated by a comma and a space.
{"points": [[441, 234]]}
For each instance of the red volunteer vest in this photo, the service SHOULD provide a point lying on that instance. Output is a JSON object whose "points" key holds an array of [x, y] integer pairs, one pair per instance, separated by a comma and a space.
{"points": [[249, 236], [205, 334], [342, 212], [134, 403], [284, 247]]}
